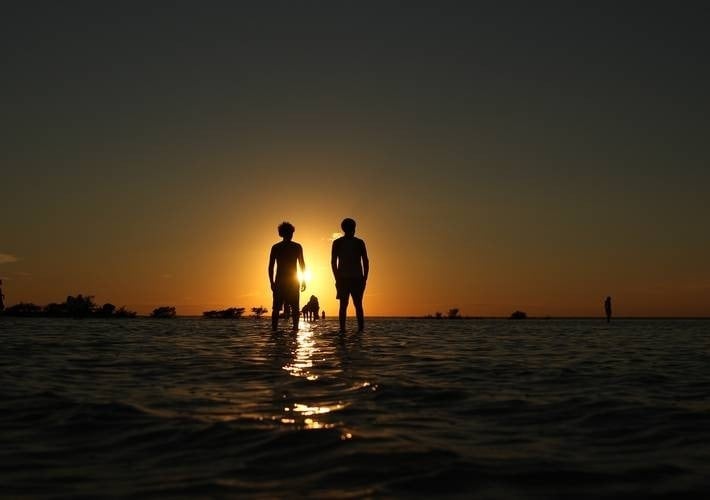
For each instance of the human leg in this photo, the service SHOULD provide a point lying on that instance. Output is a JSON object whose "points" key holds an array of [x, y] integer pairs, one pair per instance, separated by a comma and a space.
{"points": [[275, 311], [294, 316], [357, 302], [358, 291], [342, 312]]}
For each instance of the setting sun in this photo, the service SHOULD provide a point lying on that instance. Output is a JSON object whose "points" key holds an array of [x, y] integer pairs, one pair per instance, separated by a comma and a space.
{"points": [[304, 276]]}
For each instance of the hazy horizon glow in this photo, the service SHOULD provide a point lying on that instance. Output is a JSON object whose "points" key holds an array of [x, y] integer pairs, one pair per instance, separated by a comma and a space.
{"points": [[494, 158]]}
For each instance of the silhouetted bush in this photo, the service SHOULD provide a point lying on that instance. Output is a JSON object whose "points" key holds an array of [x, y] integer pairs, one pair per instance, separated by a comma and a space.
{"points": [[55, 310], [452, 314], [258, 312], [80, 306], [23, 309], [163, 312], [231, 313], [106, 310], [122, 312]]}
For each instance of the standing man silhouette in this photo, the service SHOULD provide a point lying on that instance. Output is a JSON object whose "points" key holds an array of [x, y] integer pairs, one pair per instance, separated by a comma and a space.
{"points": [[2, 298], [287, 255], [607, 309], [350, 265]]}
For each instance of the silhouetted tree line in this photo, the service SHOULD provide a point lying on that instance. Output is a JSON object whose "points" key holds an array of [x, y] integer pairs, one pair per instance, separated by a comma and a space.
{"points": [[80, 306], [235, 313], [230, 313], [452, 314], [163, 312], [258, 312]]}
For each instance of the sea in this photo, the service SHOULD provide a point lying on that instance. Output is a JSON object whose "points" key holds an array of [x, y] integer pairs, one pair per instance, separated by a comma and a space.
{"points": [[410, 408]]}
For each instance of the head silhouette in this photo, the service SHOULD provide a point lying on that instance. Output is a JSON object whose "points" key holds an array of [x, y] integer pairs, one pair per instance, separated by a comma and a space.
{"points": [[286, 230], [348, 226]]}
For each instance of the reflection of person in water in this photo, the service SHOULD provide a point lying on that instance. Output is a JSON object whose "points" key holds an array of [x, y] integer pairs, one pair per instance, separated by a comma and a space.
{"points": [[350, 266], [287, 255], [607, 309]]}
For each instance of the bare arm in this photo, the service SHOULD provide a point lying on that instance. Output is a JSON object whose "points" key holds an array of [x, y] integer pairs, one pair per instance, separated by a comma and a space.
{"points": [[365, 262], [302, 264], [301, 261], [334, 261], [272, 260]]}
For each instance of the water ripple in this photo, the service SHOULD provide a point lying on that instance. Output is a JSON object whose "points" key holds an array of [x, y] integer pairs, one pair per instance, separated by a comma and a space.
{"points": [[485, 409]]}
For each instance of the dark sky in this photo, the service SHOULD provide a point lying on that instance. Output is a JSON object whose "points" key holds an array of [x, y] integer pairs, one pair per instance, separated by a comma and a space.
{"points": [[584, 128]]}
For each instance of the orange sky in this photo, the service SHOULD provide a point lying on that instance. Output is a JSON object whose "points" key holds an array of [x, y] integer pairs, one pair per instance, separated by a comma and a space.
{"points": [[494, 158], [206, 246]]}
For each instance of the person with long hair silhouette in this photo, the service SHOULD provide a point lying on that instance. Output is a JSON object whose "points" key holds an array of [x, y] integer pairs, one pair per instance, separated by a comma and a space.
{"points": [[287, 255], [350, 266]]}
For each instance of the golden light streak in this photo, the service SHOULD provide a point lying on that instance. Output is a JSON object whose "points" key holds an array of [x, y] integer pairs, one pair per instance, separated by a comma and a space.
{"points": [[305, 276]]}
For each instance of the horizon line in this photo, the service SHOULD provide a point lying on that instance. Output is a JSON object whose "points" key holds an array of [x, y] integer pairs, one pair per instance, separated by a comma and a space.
{"points": [[443, 318]]}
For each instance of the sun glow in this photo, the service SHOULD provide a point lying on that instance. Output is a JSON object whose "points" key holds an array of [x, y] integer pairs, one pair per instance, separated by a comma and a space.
{"points": [[304, 276]]}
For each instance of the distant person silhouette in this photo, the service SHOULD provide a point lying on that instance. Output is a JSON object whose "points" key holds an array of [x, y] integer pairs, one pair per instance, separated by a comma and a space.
{"points": [[350, 266], [287, 255], [310, 310], [607, 309], [2, 298]]}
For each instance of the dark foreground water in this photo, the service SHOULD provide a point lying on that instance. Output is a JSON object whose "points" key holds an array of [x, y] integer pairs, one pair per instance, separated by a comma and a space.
{"points": [[411, 408]]}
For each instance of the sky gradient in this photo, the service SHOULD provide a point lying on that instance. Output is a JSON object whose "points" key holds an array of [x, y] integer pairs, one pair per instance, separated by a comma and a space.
{"points": [[495, 157]]}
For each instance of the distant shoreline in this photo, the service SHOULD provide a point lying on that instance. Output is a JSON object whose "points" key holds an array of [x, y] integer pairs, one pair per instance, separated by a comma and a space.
{"points": [[547, 318], [418, 318]]}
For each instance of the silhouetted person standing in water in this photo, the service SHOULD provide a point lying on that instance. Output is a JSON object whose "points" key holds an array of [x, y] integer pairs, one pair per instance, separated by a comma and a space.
{"points": [[287, 255], [350, 267], [607, 309], [2, 298]]}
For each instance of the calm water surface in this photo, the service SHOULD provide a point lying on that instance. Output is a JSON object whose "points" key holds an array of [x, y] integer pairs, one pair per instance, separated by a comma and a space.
{"points": [[410, 408]]}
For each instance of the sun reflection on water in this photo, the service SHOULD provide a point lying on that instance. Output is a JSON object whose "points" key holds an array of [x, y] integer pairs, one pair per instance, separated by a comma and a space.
{"points": [[305, 353]]}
